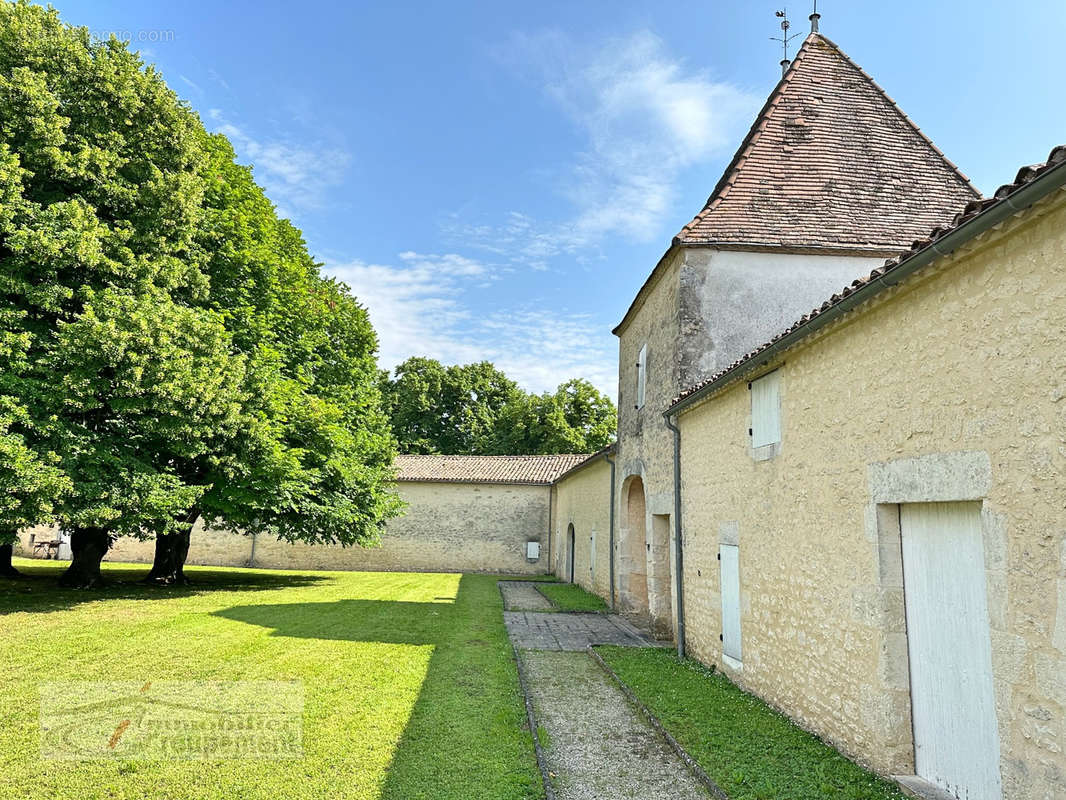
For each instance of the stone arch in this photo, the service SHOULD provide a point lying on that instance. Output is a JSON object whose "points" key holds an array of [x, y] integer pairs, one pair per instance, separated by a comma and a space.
{"points": [[633, 560]]}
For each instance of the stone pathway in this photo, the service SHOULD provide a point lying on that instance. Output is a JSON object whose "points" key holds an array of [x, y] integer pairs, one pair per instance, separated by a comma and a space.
{"points": [[523, 596], [599, 746], [546, 631]]}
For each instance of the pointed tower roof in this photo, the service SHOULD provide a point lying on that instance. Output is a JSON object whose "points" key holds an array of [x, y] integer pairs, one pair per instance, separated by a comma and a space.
{"points": [[830, 163]]}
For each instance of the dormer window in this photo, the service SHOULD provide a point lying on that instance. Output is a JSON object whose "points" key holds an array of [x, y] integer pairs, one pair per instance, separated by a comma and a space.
{"points": [[642, 375]]}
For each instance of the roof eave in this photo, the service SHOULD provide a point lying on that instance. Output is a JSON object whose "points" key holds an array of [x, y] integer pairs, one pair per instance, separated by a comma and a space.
{"points": [[1011, 204], [603, 452]]}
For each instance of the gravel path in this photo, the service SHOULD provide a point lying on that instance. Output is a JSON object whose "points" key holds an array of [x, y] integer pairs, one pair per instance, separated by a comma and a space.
{"points": [[599, 747], [523, 596]]}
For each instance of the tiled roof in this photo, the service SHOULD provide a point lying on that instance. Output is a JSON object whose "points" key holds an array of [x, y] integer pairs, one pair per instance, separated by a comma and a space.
{"points": [[587, 460], [831, 162], [485, 469], [973, 209]]}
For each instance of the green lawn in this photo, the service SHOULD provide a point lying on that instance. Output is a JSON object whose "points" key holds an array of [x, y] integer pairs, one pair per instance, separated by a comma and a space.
{"points": [[748, 749], [571, 597], [410, 688]]}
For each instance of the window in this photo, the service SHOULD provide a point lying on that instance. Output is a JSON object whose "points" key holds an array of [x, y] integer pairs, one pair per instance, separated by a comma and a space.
{"points": [[642, 375], [766, 413]]}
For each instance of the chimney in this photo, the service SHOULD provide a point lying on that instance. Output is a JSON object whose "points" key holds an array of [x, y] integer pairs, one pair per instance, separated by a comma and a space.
{"points": [[814, 21], [784, 67]]}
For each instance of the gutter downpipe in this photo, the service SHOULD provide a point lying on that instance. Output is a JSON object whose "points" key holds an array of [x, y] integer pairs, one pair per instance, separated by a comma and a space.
{"points": [[551, 496], [679, 552], [609, 460], [1018, 201]]}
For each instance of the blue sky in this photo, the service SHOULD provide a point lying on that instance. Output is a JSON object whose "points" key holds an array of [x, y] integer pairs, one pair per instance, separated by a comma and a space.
{"points": [[495, 179]]}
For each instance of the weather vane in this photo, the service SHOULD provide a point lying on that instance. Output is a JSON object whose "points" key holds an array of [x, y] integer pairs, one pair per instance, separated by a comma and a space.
{"points": [[785, 38]]}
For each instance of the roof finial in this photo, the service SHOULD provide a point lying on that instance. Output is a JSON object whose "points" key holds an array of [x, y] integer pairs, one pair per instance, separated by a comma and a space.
{"points": [[814, 18], [785, 39]]}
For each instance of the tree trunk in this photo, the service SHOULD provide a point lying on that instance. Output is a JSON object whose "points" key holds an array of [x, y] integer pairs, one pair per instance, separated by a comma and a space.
{"points": [[6, 570], [171, 550], [88, 546]]}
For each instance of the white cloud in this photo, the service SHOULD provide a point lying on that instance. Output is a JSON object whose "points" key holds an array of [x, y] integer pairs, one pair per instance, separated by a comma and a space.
{"points": [[192, 84], [294, 176], [420, 307], [645, 118]]}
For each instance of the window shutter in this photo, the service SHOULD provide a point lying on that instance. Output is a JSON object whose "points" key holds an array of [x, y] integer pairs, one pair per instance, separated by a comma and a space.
{"points": [[766, 410], [730, 558]]}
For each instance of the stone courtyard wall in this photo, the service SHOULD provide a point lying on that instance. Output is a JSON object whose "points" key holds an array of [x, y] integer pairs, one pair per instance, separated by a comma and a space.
{"points": [[448, 527]]}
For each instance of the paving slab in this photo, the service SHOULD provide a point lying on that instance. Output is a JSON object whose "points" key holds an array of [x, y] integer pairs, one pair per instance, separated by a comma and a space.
{"points": [[534, 630], [600, 747], [523, 596]]}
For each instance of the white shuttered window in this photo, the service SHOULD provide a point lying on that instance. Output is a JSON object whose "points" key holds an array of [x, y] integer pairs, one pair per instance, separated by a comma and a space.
{"points": [[766, 410]]}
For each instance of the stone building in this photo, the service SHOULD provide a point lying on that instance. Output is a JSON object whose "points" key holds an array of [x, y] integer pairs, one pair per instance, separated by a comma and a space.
{"points": [[873, 535], [870, 499], [831, 180], [465, 514]]}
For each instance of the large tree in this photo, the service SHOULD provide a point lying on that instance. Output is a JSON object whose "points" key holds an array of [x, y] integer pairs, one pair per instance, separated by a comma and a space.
{"points": [[439, 409], [575, 418], [475, 409], [314, 454], [188, 355]]}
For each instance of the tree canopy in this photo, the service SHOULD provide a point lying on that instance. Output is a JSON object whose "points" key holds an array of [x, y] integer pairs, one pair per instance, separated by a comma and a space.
{"points": [[168, 346], [476, 409]]}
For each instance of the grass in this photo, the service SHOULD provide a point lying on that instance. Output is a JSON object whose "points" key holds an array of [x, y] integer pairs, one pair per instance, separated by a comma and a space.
{"points": [[748, 749], [410, 687], [571, 597]]}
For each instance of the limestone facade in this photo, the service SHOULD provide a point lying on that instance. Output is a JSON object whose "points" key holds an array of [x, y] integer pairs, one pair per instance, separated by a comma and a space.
{"points": [[949, 387]]}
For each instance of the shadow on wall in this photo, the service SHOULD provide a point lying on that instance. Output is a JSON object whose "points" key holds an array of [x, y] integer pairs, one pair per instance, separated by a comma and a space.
{"points": [[463, 725]]}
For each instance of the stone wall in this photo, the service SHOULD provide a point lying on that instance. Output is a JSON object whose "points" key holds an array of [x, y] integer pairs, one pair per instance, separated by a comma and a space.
{"points": [[583, 500], [950, 388], [448, 527], [645, 444]]}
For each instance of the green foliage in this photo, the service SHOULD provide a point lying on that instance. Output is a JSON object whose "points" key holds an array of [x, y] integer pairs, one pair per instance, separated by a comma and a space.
{"points": [[167, 343], [314, 457], [146, 386], [32, 482], [438, 409], [575, 418], [751, 751], [477, 410]]}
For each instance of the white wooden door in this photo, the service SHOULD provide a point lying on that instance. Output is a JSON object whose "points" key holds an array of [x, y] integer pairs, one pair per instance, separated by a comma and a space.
{"points": [[730, 557], [956, 737]]}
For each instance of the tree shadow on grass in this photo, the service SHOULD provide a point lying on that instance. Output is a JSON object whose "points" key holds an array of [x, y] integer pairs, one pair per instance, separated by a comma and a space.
{"points": [[35, 591], [466, 737]]}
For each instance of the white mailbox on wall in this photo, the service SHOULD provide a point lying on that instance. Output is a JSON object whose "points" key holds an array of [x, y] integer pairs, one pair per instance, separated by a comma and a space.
{"points": [[533, 551]]}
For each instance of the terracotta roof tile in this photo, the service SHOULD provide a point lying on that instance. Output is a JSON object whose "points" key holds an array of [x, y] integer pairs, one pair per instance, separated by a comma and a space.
{"points": [[831, 162], [972, 209], [485, 469]]}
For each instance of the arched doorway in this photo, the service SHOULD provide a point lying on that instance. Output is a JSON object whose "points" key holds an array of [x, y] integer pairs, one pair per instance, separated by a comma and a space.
{"points": [[634, 560], [570, 542]]}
